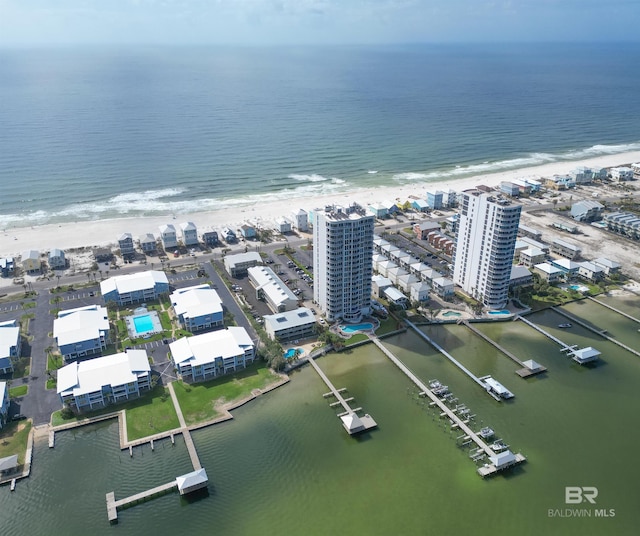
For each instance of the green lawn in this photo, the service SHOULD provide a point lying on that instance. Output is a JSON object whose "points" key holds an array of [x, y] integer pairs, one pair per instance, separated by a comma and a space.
{"points": [[13, 439], [54, 362], [15, 392], [387, 325], [51, 383], [199, 401], [358, 337], [21, 367], [151, 414]]}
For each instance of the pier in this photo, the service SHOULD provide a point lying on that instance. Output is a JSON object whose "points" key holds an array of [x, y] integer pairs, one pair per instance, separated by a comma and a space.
{"points": [[113, 506], [456, 421], [616, 310], [526, 370], [564, 345], [352, 422], [601, 332]]}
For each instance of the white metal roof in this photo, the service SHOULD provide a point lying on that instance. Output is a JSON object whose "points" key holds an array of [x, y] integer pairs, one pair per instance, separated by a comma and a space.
{"points": [[199, 300], [266, 280], [81, 324], [91, 375], [289, 319], [192, 479], [205, 348], [9, 333], [133, 282]]}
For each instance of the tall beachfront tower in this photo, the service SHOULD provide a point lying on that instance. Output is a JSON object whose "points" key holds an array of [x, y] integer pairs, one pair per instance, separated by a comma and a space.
{"points": [[487, 233], [342, 262]]}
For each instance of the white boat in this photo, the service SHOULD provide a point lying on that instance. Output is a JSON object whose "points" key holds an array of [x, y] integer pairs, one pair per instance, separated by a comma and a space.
{"points": [[486, 433], [566, 325], [498, 446], [494, 387]]}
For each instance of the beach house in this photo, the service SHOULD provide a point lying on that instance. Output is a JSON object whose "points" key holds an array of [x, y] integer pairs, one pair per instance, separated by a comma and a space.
{"points": [[435, 200], [134, 288], [7, 266], [228, 235], [548, 272], [582, 175], [419, 292], [237, 265], [212, 354], [125, 243], [248, 231], [443, 287], [590, 271], [282, 225], [531, 256], [520, 276], [198, 307], [622, 173], [378, 285], [292, 325], [102, 381], [30, 260], [148, 243], [625, 223], [189, 233], [587, 211], [168, 236], [423, 229], [81, 332], [564, 249], [4, 403], [300, 220], [57, 260], [569, 268], [610, 267], [209, 237], [271, 289], [10, 345], [420, 205]]}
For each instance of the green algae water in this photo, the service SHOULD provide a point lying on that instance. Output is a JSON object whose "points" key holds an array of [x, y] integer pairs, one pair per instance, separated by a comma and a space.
{"points": [[285, 465]]}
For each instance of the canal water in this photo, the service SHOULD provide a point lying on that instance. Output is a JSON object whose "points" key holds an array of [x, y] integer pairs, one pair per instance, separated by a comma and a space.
{"points": [[285, 465]]}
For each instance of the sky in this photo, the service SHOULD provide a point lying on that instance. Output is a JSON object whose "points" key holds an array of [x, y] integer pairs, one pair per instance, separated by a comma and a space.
{"points": [[274, 22]]}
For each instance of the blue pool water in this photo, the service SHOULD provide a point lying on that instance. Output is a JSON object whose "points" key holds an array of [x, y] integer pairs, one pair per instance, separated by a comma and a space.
{"points": [[143, 323], [578, 287], [502, 312], [291, 352], [451, 313], [356, 327]]}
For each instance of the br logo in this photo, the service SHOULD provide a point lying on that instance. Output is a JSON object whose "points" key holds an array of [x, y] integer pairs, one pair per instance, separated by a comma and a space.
{"points": [[578, 495]]}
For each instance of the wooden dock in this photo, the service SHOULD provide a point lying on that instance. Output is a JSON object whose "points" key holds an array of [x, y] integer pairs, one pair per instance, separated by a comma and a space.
{"points": [[564, 345], [352, 422], [525, 371], [457, 421], [616, 310], [113, 506]]}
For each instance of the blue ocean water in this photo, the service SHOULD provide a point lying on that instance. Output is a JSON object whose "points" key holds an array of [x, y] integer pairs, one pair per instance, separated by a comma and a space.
{"points": [[106, 132]]}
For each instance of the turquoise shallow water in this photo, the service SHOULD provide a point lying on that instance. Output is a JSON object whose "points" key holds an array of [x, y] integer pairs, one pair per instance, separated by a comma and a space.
{"points": [[284, 465]]}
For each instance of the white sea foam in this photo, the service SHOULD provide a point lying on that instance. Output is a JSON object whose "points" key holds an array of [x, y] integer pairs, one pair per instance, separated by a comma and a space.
{"points": [[314, 177]]}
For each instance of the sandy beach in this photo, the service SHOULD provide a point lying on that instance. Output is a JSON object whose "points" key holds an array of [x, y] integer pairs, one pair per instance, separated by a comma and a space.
{"points": [[104, 232]]}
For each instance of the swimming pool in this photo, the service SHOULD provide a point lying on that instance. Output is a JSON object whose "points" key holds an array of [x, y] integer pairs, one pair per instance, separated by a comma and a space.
{"points": [[357, 327], [143, 323], [451, 313], [291, 352], [579, 288], [502, 312]]}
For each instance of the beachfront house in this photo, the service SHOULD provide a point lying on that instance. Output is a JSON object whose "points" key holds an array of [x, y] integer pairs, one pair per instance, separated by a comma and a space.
{"points": [[7, 266], [168, 236], [102, 254], [582, 175], [560, 182], [435, 199], [31, 261], [378, 210], [300, 220], [102, 381], [509, 188], [209, 237], [57, 260], [248, 231], [238, 264], [81, 332], [564, 249], [420, 205], [282, 225], [610, 267], [271, 289], [198, 307], [10, 345], [548, 272], [228, 235], [621, 174], [189, 233], [587, 211], [134, 288], [148, 243], [125, 243], [292, 325], [391, 206], [4, 403], [212, 354]]}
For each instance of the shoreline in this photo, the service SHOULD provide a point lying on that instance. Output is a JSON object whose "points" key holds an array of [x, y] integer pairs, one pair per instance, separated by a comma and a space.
{"points": [[105, 232]]}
